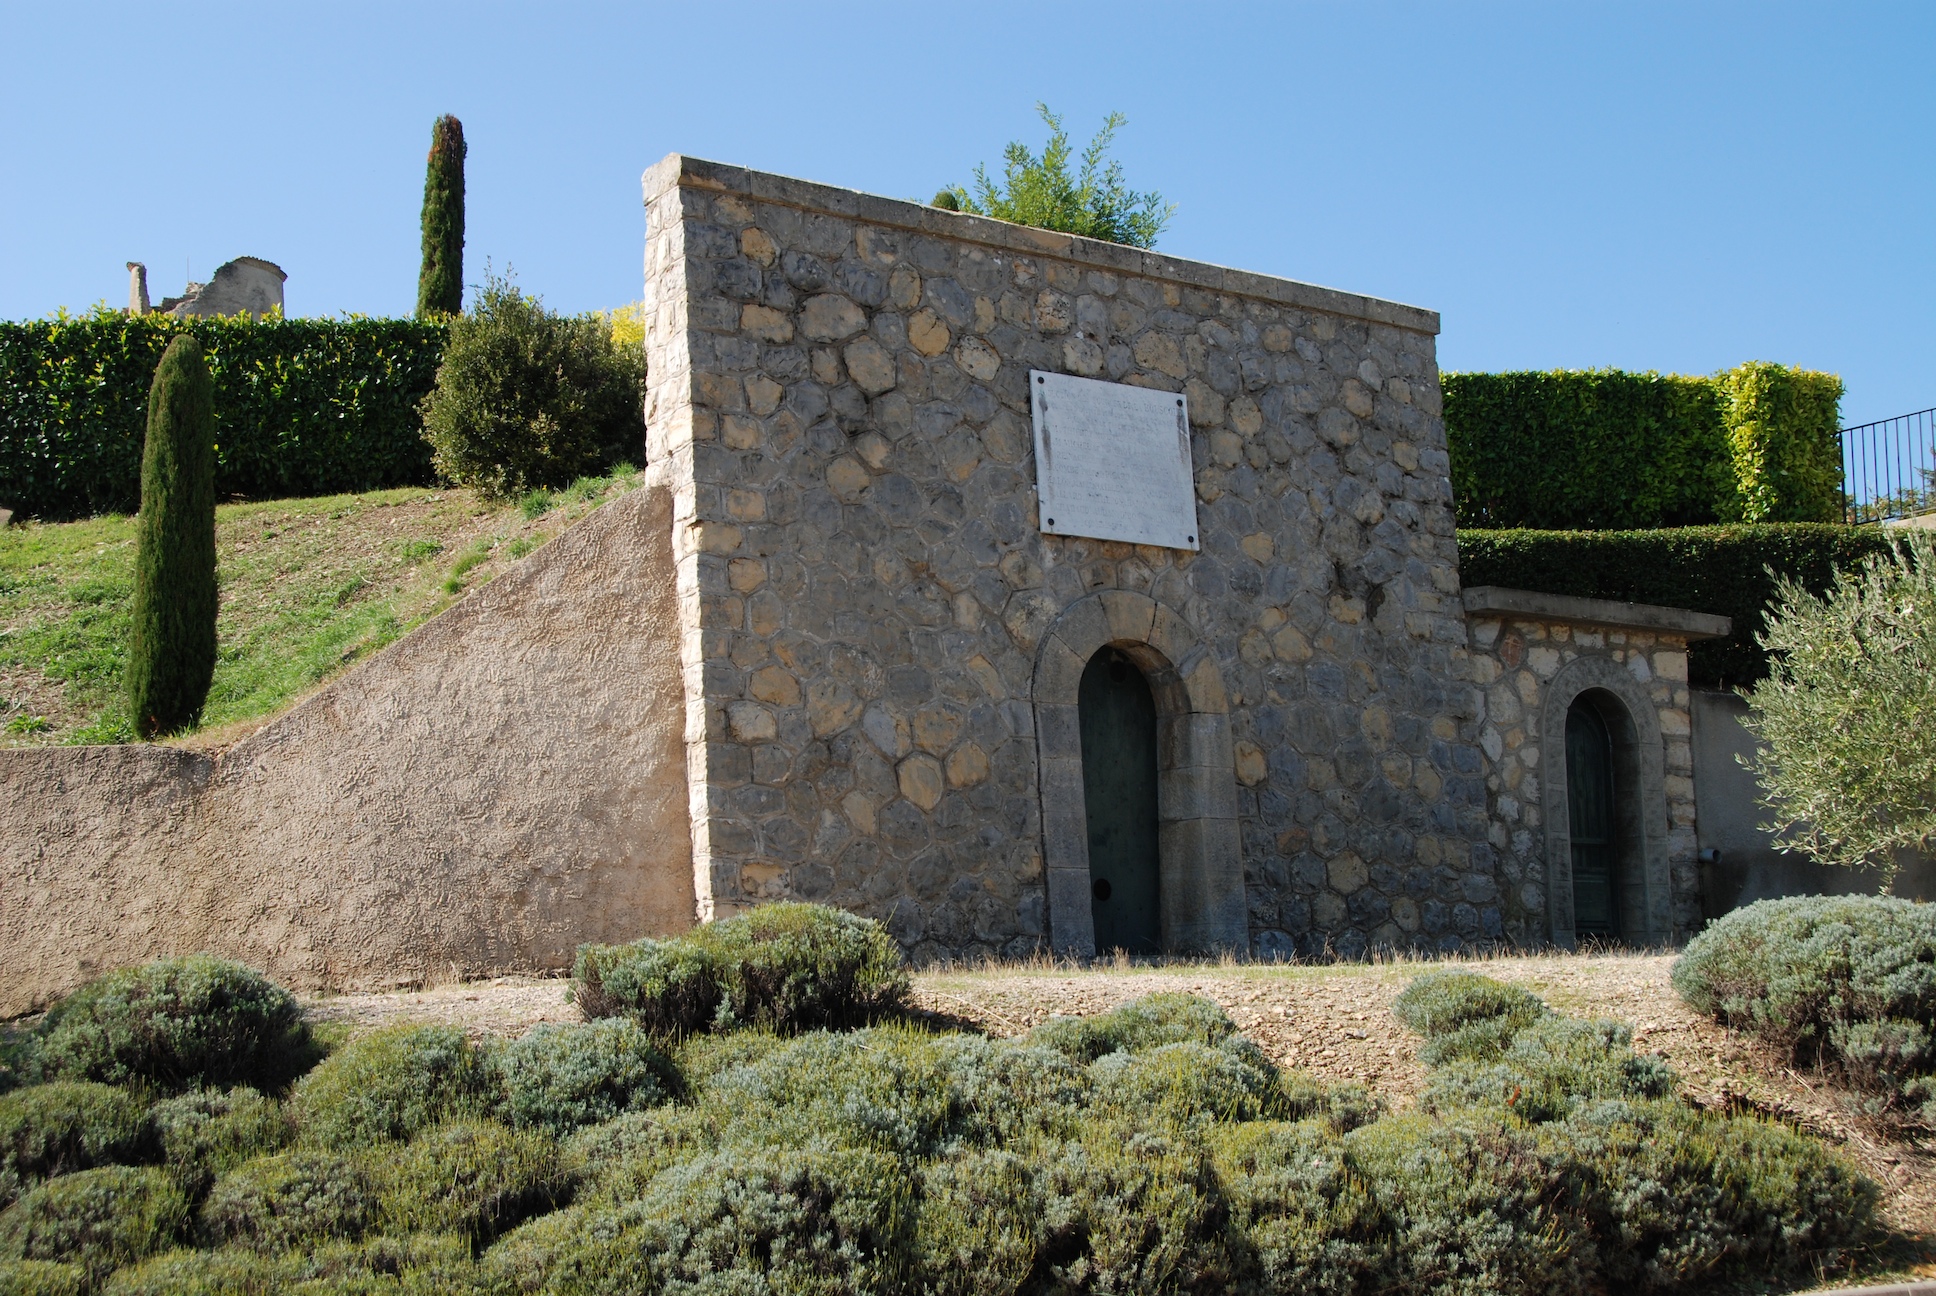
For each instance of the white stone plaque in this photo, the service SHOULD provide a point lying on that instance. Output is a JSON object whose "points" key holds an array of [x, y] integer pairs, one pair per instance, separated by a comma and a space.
{"points": [[1112, 462]]}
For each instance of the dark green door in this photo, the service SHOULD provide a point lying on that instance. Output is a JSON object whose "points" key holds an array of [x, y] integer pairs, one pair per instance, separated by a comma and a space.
{"points": [[1589, 808], [1119, 787]]}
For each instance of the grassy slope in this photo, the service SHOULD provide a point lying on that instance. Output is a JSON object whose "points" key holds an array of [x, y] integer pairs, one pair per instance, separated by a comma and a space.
{"points": [[309, 586]]}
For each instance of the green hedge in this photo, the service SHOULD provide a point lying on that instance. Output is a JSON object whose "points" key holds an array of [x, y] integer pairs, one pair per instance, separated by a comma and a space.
{"points": [[302, 407], [1604, 450], [1719, 569]]}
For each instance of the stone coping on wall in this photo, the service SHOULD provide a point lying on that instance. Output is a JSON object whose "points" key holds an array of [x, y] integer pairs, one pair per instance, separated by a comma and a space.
{"points": [[678, 169], [1496, 600]]}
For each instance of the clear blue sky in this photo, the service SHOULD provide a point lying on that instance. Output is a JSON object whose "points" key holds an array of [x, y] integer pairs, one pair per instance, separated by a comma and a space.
{"points": [[1677, 186]]}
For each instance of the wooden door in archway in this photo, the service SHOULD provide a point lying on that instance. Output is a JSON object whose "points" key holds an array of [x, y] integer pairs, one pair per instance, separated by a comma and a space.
{"points": [[1592, 822], [1118, 714]]}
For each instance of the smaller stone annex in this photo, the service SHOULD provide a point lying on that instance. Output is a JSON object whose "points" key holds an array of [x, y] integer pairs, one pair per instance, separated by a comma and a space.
{"points": [[830, 652]]}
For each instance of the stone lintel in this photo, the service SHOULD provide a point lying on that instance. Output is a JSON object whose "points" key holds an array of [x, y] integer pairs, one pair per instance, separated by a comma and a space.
{"points": [[1497, 600], [676, 169]]}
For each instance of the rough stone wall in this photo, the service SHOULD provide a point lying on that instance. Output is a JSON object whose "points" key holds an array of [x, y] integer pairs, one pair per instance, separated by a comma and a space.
{"points": [[245, 286], [1514, 659], [498, 786], [839, 403]]}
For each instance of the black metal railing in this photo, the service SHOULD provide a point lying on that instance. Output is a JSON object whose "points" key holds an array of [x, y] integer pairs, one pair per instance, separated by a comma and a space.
{"points": [[1889, 467]]}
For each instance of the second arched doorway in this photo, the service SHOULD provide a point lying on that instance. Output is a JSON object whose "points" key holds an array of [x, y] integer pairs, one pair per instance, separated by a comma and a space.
{"points": [[1593, 832]]}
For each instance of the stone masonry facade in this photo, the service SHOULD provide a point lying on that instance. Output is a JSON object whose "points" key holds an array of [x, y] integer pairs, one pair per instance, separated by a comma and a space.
{"points": [[838, 404], [1533, 656]]}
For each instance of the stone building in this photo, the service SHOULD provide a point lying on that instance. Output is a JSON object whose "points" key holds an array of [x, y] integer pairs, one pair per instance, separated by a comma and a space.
{"points": [[883, 650], [834, 650]]}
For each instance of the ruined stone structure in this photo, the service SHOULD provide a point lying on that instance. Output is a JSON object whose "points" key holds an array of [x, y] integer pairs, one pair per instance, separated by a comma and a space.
{"points": [[245, 286], [827, 652]]}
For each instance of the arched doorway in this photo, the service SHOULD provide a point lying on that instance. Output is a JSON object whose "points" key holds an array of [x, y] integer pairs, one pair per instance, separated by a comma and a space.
{"points": [[1200, 903], [1117, 712], [1604, 804], [1592, 825]]}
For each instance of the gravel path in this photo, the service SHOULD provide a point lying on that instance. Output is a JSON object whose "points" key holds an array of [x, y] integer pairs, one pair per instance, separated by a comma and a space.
{"points": [[1334, 1021]]}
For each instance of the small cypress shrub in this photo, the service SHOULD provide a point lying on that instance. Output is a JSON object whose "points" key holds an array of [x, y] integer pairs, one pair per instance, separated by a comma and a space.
{"points": [[99, 1219], [558, 1078], [1549, 1069], [474, 1178], [805, 967], [1844, 982], [440, 283], [522, 1259], [616, 1160], [41, 1278], [1127, 1210], [390, 1084], [171, 648], [785, 967], [206, 1133], [420, 1264], [230, 1271], [1471, 1207], [885, 1087], [703, 1058], [19, 1057], [756, 1219], [980, 1223], [1339, 1108], [670, 987], [1187, 1083], [178, 1024], [1682, 1198], [1302, 1219], [290, 1199], [59, 1128], [1146, 1023], [1441, 1003]]}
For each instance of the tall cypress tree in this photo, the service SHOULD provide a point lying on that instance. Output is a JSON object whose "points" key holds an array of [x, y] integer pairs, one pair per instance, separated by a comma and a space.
{"points": [[440, 286], [171, 651]]}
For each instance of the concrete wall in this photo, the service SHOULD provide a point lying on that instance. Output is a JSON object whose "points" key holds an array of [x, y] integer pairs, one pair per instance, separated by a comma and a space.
{"points": [[1729, 801], [839, 401], [488, 792]]}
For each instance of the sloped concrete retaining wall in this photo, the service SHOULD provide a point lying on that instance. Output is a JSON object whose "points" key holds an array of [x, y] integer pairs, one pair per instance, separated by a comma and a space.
{"points": [[485, 794]]}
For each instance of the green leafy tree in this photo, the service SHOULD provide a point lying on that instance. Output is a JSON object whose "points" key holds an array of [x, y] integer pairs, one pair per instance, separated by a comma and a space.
{"points": [[1041, 190], [1846, 720], [526, 398], [171, 650], [440, 285]]}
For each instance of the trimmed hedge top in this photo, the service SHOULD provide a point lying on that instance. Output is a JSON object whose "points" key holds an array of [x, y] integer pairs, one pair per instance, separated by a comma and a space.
{"points": [[302, 407], [1602, 449], [1718, 569]]}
